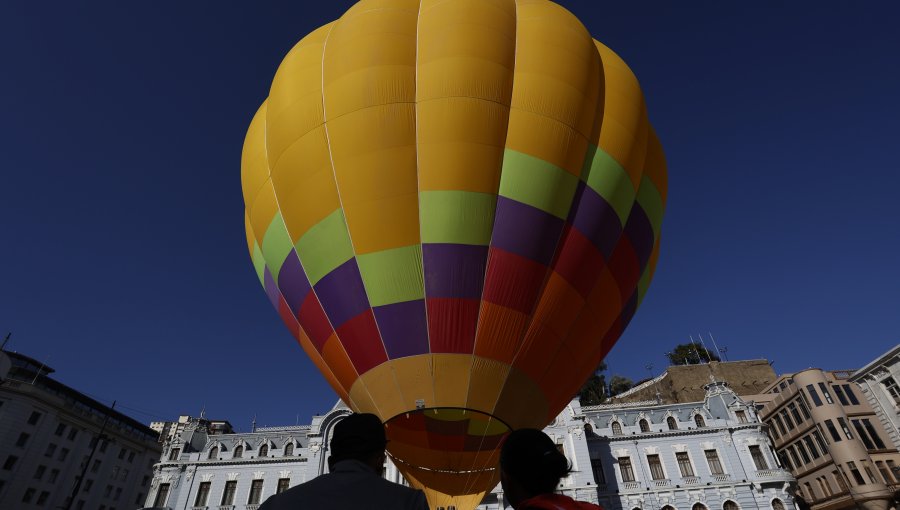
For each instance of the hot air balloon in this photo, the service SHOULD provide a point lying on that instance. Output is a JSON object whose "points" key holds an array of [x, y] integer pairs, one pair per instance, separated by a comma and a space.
{"points": [[455, 207]]}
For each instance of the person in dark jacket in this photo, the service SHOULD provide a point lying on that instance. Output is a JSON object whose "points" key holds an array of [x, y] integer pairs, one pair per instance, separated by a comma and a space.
{"points": [[355, 465], [531, 467]]}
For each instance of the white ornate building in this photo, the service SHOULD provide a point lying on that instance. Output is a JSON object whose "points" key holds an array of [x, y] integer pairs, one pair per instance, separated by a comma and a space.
{"points": [[200, 470], [711, 455]]}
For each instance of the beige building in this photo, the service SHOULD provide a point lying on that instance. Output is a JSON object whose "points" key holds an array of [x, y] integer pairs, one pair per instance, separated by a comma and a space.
{"points": [[828, 435]]}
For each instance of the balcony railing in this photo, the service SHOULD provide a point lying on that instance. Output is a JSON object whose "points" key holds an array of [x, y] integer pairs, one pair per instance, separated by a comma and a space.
{"points": [[631, 485], [226, 507], [665, 482], [725, 477], [772, 473], [690, 480], [254, 506]]}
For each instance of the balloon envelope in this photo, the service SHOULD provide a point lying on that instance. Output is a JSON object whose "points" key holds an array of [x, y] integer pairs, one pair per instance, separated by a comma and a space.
{"points": [[455, 207]]}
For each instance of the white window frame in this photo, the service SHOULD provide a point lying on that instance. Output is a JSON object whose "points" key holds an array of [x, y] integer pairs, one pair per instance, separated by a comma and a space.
{"points": [[662, 465], [732, 499], [612, 428], [690, 461], [619, 471], [762, 453], [718, 456], [168, 493]]}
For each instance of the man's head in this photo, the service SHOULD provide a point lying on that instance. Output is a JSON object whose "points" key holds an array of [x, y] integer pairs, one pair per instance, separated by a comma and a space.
{"points": [[360, 437]]}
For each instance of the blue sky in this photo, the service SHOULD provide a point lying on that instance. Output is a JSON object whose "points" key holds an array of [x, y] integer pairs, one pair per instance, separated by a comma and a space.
{"points": [[124, 264]]}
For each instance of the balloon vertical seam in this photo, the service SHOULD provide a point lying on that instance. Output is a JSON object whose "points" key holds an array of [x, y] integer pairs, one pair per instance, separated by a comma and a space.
{"points": [[337, 189]]}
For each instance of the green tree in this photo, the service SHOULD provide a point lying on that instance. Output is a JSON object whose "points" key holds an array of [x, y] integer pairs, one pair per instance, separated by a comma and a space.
{"points": [[619, 384], [690, 354], [593, 391]]}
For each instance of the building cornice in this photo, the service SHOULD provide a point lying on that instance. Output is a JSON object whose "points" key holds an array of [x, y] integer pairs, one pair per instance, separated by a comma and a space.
{"points": [[682, 432], [230, 462], [860, 374]]}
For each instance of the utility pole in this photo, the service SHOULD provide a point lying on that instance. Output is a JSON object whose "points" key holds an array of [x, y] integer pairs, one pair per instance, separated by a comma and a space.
{"points": [[88, 463]]}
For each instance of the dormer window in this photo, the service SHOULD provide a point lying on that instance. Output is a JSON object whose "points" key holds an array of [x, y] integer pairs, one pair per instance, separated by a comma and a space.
{"points": [[670, 421], [264, 450], [174, 453], [238, 451], [645, 426], [616, 428], [289, 449], [699, 420], [213, 453]]}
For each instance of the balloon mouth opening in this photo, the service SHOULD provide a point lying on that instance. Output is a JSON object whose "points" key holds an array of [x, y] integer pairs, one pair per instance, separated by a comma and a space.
{"points": [[453, 450]]}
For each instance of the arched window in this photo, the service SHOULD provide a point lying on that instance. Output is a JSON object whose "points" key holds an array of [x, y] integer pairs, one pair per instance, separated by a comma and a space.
{"points": [[730, 505], [238, 451], [699, 420], [777, 504], [264, 450], [214, 452], [668, 507], [289, 449], [616, 428], [670, 421], [699, 506], [645, 426]]}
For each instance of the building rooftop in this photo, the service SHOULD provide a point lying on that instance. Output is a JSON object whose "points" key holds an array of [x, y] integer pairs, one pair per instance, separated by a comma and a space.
{"points": [[29, 371]]}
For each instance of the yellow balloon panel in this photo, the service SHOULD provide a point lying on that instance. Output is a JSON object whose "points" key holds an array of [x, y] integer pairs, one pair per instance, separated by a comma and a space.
{"points": [[295, 98]]}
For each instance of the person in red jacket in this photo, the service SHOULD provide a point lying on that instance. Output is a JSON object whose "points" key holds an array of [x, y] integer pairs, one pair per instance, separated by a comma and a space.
{"points": [[530, 470]]}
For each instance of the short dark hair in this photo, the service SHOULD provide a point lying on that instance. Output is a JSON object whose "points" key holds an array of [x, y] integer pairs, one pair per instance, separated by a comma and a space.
{"points": [[532, 459], [358, 436]]}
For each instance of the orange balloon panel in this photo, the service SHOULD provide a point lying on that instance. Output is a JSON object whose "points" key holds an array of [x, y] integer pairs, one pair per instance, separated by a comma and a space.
{"points": [[455, 206]]}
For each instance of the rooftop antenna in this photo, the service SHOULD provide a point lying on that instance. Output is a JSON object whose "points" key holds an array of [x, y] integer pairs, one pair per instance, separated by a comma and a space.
{"points": [[649, 368], [714, 343], [203, 412], [253, 424], [723, 349], [712, 378], [5, 340], [702, 343], [696, 351]]}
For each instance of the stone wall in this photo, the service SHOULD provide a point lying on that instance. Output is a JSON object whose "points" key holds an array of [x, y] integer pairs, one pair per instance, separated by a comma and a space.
{"points": [[684, 383]]}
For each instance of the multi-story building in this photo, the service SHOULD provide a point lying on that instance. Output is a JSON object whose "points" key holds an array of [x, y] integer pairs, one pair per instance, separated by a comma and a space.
{"points": [[711, 454], [880, 384], [50, 434], [830, 439]]}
